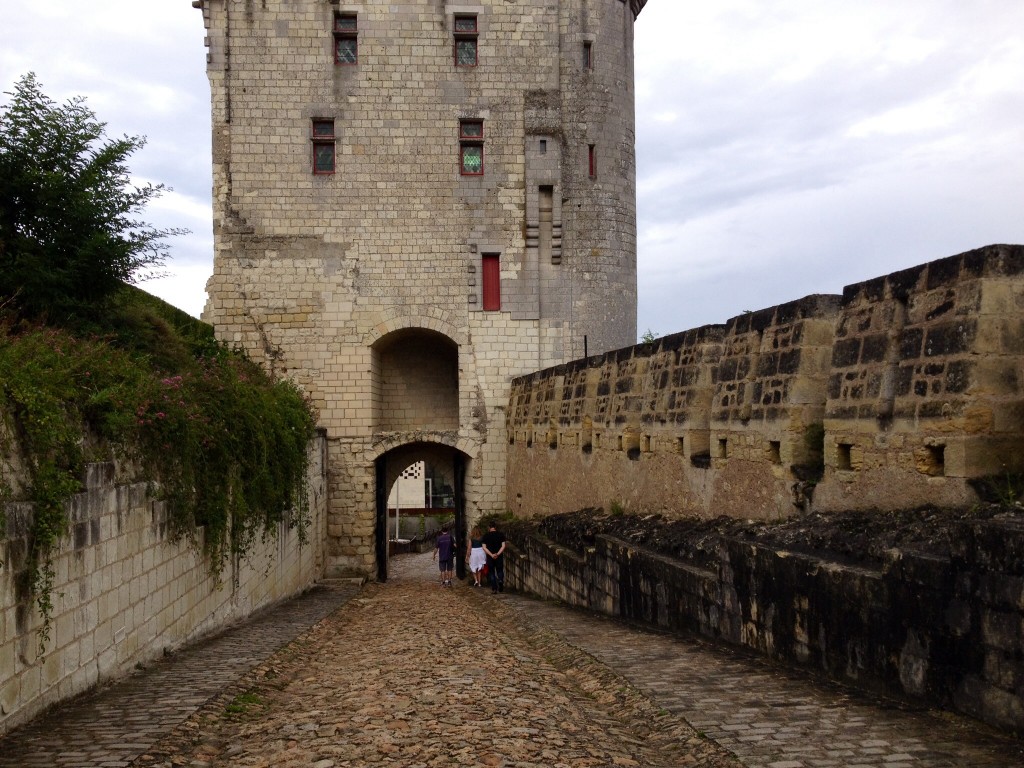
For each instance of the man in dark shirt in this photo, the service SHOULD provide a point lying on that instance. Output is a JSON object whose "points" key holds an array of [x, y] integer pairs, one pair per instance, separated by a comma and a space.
{"points": [[444, 553], [494, 548]]}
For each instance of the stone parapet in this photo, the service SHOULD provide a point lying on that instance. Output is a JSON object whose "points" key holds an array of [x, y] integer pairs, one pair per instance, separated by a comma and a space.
{"points": [[948, 631], [925, 390], [901, 392]]}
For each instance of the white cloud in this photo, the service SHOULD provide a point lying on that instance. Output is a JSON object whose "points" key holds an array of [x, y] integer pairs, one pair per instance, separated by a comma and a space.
{"points": [[816, 144], [784, 148], [185, 287]]}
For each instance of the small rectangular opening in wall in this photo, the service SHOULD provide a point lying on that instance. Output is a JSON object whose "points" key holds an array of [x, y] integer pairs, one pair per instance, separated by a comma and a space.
{"points": [[723, 448], [935, 460], [597, 439], [843, 456], [681, 446], [324, 150], [775, 451], [699, 447], [645, 444], [631, 442], [543, 146]]}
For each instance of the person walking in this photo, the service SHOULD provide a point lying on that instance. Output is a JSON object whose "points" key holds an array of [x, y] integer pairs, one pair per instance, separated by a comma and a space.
{"points": [[444, 553], [476, 556], [494, 547]]}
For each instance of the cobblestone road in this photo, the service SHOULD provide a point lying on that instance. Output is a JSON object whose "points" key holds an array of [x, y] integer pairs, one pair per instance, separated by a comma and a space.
{"points": [[409, 674], [772, 718], [112, 726]]}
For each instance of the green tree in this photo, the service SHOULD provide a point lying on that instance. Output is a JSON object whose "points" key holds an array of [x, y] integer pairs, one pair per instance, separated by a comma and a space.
{"points": [[69, 233]]}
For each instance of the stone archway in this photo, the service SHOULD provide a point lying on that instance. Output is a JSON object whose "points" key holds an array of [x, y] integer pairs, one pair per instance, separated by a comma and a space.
{"points": [[415, 383], [447, 462]]}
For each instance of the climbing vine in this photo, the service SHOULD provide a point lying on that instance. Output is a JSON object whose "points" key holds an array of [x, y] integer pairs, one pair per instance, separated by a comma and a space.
{"points": [[223, 444]]}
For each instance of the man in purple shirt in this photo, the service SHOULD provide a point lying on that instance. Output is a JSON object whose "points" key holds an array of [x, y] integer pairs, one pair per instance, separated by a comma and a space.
{"points": [[444, 553]]}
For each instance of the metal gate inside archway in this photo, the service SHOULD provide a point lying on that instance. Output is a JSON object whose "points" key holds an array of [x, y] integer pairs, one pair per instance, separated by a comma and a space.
{"points": [[420, 489]]}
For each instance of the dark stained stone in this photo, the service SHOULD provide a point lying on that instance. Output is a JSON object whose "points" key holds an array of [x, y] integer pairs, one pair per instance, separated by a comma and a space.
{"points": [[910, 342], [874, 348], [846, 353]]}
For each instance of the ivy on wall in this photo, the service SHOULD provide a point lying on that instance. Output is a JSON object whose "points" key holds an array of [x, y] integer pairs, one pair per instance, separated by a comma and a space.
{"points": [[92, 369], [223, 444]]}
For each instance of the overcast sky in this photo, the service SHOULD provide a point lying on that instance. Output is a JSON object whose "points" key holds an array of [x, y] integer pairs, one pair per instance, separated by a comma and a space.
{"points": [[784, 147]]}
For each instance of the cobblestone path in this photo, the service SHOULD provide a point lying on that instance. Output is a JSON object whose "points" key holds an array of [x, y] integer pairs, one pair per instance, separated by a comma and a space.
{"points": [[410, 674], [769, 717], [114, 725]]}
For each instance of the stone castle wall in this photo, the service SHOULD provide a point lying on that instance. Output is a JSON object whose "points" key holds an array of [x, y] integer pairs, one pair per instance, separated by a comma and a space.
{"points": [[365, 285], [896, 394], [124, 593], [939, 630]]}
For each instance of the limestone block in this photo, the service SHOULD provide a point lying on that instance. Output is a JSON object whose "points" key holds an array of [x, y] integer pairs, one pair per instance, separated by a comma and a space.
{"points": [[10, 695]]}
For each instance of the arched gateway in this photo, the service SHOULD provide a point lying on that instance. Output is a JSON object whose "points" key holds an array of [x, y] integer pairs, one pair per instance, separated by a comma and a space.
{"points": [[415, 202], [443, 491]]}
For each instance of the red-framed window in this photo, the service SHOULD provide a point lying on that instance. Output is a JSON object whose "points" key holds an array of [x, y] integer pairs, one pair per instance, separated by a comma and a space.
{"points": [[466, 38], [471, 147], [346, 38], [323, 146], [491, 271], [592, 160], [588, 54]]}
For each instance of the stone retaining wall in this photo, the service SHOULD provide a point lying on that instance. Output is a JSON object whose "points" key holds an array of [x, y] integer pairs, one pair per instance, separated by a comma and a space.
{"points": [[896, 394], [124, 593], [947, 631]]}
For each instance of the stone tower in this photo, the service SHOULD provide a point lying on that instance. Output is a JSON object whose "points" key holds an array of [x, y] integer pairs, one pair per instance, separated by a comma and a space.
{"points": [[414, 202]]}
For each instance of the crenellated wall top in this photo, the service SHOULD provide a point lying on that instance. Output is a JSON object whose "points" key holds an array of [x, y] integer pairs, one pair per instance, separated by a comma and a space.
{"points": [[988, 261]]}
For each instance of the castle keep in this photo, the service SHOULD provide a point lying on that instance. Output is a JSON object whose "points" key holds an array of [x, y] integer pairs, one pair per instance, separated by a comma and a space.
{"points": [[414, 203]]}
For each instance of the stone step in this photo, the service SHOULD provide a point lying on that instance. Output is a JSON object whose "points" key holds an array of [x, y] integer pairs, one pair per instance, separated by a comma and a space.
{"points": [[340, 573], [342, 581]]}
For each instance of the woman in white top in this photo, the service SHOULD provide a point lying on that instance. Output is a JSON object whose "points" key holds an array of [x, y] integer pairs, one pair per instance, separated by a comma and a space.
{"points": [[475, 555]]}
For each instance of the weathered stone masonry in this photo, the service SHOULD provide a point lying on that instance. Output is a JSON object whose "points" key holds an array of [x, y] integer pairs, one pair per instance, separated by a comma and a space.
{"points": [[946, 631], [895, 395], [125, 592], [365, 285], [899, 393]]}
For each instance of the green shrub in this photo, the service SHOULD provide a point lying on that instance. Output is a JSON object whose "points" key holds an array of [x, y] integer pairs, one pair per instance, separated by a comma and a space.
{"points": [[69, 228], [223, 444], [92, 369]]}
